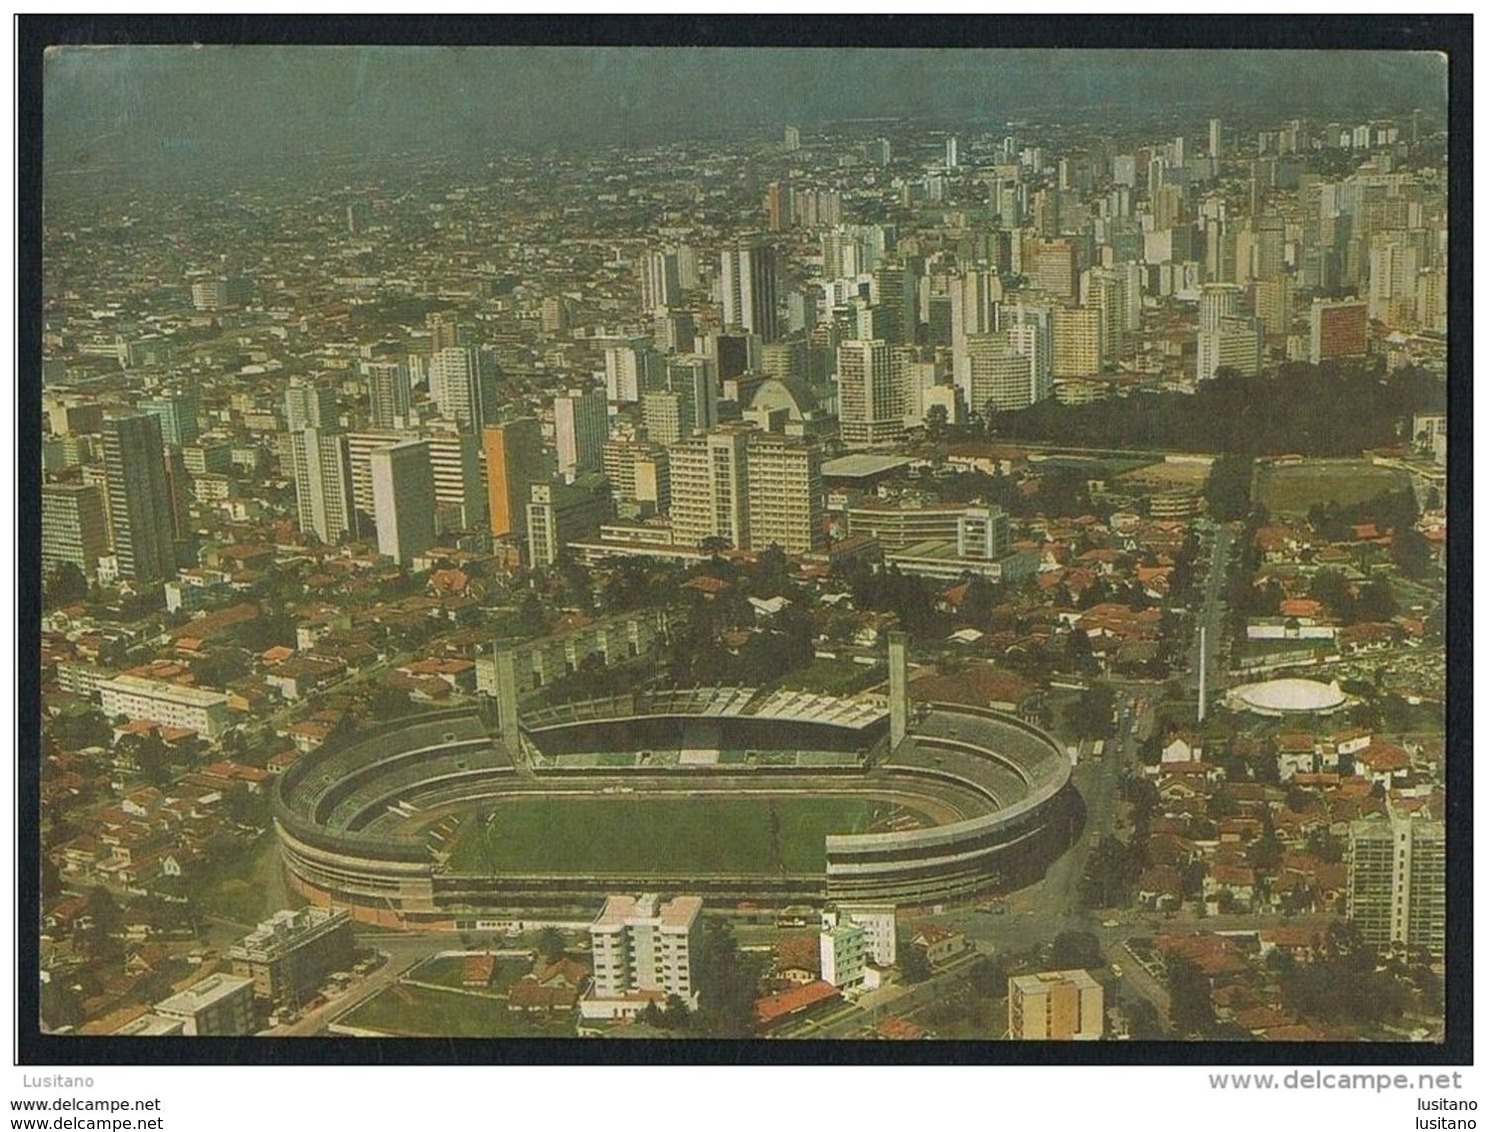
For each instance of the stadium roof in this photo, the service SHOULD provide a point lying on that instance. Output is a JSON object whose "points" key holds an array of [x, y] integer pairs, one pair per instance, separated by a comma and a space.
{"points": [[1274, 697]]}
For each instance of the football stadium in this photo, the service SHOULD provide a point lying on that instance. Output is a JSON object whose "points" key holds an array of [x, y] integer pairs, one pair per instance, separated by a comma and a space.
{"points": [[760, 799]]}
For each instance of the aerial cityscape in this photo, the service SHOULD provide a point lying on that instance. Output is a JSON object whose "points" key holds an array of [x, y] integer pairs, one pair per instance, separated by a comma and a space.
{"points": [[743, 543]]}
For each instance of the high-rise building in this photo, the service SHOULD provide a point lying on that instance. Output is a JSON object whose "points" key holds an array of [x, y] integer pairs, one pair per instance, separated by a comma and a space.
{"points": [[217, 1006], [1109, 294], [750, 488], [514, 460], [462, 382], [1077, 341], [1216, 302], [870, 398], [179, 411], [952, 153], [310, 403], [455, 458], [792, 139], [996, 377], [629, 369], [1236, 344], [390, 390], [1273, 304], [669, 416], [641, 944], [747, 288], [322, 484], [581, 424], [139, 500], [403, 499], [1055, 1006], [1216, 138], [639, 473], [1397, 883], [560, 511], [1029, 330], [660, 281], [1055, 268], [1338, 330], [74, 527], [844, 951]]}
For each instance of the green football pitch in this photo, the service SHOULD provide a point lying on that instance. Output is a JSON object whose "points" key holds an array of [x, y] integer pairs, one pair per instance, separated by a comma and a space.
{"points": [[633, 834]]}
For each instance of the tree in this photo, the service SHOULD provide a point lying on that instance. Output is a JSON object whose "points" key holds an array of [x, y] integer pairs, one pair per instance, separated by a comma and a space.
{"points": [[550, 944], [1142, 1021], [935, 421], [1073, 949], [987, 976], [913, 962], [1192, 1008], [1411, 553], [64, 584], [727, 982]]}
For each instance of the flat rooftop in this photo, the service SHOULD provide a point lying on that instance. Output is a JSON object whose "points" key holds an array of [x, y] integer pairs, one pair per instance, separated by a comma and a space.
{"points": [[862, 466]]}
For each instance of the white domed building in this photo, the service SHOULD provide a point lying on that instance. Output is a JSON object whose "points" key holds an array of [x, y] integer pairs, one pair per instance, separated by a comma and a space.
{"points": [[1279, 698]]}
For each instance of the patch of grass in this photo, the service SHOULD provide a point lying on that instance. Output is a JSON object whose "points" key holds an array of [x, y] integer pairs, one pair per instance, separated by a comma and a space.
{"points": [[419, 1012], [1292, 489], [633, 833], [835, 677]]}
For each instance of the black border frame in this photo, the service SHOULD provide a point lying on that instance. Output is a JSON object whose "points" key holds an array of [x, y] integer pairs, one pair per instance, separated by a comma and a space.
{"points": [[1448, 34]]}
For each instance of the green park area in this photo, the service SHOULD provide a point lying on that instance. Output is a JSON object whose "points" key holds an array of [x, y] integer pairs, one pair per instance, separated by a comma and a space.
{"points": [[1293, 489], [633, 834], [404, 1011]]}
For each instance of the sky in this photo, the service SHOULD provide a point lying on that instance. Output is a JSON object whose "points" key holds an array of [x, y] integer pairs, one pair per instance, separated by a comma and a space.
{"points": [[263, 103]]}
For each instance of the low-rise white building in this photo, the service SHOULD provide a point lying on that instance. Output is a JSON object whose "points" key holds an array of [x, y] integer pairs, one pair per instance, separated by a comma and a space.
{"points": [[218, 1005], [195, 709]]}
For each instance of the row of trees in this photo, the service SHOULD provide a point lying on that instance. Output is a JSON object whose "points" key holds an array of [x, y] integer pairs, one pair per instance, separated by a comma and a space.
{"points": [[1290, 409]]}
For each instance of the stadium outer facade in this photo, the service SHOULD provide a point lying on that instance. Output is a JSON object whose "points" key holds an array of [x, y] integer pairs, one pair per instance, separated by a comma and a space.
{"points": [[357, 829]]}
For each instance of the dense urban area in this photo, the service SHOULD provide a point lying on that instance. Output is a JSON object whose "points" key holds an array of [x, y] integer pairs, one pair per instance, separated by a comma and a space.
{"points": [[1129, 435]]}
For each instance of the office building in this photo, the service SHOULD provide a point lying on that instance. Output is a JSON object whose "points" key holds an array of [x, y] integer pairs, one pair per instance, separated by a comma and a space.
{"points": [[217, 1006], [462, 382], [563, 510], [1216, 139], [747, 288], [179, 411], [137, 698], [454, 456], [311, 403], [1216, 302], [1338, 330], [1236, 344], [629, 370], [289, 955], [403, 502], [222, 293], [514, 460], [322, 484], [1110, 294], [749, 488], [139, 499], [1055, 1006], [1077, 341], [870, 396], [792, 139], [390, 391], [581, 425], [74, 527], [639, 474], [660, 281], [643, 949], [1273, 305], [1397, 883]]}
